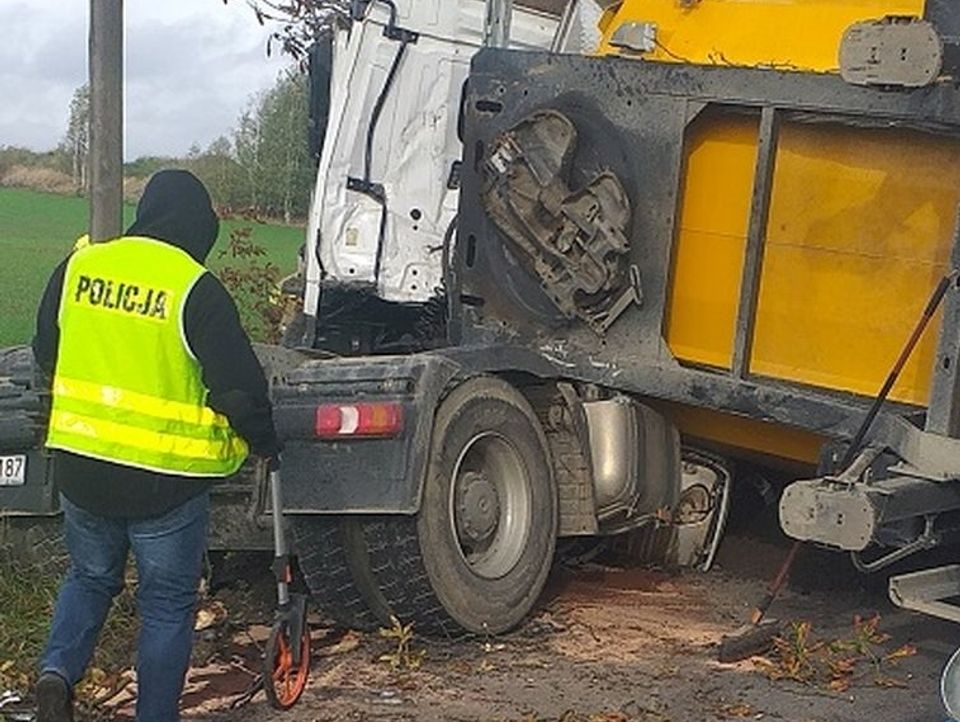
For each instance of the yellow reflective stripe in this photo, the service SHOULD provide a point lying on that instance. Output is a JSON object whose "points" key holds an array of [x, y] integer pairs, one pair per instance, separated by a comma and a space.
{"points": [[193, 468], [135, 401], [166, 444]]}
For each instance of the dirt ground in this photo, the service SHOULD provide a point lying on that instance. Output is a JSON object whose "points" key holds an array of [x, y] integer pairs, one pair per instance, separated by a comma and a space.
{"points": [[606, 645]]}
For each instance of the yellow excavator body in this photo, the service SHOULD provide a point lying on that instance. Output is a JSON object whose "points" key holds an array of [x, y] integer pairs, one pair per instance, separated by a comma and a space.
{"points": [[801, 35], [860, 227]]}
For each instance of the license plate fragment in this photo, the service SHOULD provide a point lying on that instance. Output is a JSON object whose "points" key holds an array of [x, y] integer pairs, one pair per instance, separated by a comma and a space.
{"points": [[13, 470]]}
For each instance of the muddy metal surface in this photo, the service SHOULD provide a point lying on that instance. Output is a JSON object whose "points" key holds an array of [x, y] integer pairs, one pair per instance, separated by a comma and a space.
{"points": [[606, 645]]}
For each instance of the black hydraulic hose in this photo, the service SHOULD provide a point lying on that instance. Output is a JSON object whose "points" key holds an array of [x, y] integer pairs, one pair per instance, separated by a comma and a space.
{"points": [[378, 109], [380, 196], [393, 11], [366, 185], [381, 236], [357, 10], [452, 283]]}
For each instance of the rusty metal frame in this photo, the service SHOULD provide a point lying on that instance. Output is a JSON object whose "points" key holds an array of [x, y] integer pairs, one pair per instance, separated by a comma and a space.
{"points": [[651, 105]]}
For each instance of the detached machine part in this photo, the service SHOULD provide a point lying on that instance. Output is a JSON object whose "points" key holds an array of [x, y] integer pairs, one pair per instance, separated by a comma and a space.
{"points": [[640, 472], [854, 508], [689, 535], [900, 491], [701, 515], [756, 636], [575, 241]]}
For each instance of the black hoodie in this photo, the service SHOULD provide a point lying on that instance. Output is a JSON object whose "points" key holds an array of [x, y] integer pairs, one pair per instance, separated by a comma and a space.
{"points": [[175, 208]]}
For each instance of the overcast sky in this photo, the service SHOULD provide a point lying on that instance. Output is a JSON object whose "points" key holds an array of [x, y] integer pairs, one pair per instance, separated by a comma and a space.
{"points": [[190, 67]]}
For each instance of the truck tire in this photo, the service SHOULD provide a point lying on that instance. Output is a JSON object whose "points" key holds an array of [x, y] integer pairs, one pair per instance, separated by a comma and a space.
{"points": [[477, 555], [336, 567]]}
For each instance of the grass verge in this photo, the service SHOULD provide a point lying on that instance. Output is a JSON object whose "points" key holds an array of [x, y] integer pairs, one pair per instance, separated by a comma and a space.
{"points": [[28, 593], [37, 230]]}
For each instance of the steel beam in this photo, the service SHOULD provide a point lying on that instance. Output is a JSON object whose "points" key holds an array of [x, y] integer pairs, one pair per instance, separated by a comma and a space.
{"points": [[756, 238], [928, 591]]}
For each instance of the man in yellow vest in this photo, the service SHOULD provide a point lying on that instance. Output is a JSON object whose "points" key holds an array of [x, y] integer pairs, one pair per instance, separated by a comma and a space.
{"points": [[156, 393]]}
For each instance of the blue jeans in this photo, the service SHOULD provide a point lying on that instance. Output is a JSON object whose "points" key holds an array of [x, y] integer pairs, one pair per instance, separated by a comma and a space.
{"points": [[169, 555]]}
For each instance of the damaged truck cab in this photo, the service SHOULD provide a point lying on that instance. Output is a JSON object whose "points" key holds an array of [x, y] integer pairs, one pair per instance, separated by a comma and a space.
{"points": [[553, 289], [431, 464]]}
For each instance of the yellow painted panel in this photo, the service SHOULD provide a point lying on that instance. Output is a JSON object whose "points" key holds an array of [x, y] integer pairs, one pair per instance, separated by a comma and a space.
{"points": [[739, 432], [786, 34], [712, 231], [860, 231]]}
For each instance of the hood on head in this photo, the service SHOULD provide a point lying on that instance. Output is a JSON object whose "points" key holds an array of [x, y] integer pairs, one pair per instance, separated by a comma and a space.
{"points": [[176, 208]]}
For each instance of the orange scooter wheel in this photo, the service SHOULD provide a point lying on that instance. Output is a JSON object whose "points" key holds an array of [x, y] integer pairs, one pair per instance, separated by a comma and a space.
{"points": [[284, 682]]}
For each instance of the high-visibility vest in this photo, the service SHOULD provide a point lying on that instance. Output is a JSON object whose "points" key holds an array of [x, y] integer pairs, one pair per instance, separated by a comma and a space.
{"points": [[126, 387]]}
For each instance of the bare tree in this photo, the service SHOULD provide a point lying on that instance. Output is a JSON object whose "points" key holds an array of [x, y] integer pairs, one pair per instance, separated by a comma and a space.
{"points": [[287, 169], [298, 23], [220, 172], [247, 141], [76, 143]]}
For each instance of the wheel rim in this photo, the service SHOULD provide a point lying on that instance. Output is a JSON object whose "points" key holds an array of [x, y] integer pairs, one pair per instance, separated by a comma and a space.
{"points": [[289, 681], [490, 505]]}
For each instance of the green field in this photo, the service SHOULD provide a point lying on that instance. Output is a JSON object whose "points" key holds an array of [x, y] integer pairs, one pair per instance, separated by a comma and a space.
{"points": [[38, 229]]}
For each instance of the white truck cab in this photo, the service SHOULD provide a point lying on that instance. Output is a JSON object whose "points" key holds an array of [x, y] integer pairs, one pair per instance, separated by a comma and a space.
{"points": [[387, 183]]}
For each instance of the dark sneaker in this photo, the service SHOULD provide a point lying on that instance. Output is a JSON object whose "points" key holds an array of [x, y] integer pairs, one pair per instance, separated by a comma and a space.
{"points": [[53, 699]]}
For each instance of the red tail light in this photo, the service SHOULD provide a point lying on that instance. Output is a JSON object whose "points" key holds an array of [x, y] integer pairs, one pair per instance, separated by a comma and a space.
{"points": [[368, 420]]}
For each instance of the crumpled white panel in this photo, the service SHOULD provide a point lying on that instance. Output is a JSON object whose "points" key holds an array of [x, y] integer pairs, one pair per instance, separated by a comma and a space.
{"points": [[415, 147]]}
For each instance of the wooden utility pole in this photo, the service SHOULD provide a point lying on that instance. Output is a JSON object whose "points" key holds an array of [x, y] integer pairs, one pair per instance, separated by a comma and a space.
{"points": [[106, 119]]}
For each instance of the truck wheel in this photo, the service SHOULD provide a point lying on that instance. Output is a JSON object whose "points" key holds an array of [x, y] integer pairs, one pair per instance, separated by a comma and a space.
{"points": [[478, 554], [336, 567]]}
